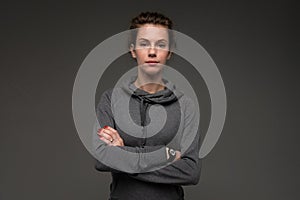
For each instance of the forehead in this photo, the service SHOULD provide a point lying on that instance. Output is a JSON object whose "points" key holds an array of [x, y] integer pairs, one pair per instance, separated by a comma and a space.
{"points": [[152, 32]]}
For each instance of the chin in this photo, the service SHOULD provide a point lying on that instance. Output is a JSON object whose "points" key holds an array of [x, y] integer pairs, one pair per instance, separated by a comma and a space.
{"points": [[151, 70]]}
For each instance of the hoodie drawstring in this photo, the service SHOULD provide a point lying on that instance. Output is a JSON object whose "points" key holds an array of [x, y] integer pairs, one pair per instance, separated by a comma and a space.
{"points": [[143, 108]]}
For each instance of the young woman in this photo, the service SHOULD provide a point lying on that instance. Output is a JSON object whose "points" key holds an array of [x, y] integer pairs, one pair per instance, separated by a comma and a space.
{"points": [[150, 46]]}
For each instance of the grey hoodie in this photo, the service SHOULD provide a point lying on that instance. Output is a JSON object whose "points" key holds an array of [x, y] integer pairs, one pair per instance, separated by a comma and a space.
{"points": [[148, 174]]}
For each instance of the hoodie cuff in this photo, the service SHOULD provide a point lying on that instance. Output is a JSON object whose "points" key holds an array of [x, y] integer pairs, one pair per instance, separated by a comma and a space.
{"points": [[171, 154]]}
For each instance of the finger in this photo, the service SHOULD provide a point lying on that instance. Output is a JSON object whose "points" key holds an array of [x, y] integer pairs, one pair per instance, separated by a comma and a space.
{"points": [[105, 140], [113, 132], [110, 134], [104, 134], [178, 155], [110, 128]]}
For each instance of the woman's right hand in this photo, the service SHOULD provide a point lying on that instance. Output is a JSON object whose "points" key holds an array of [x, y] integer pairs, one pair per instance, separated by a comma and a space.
{"points": [[110, 136]]}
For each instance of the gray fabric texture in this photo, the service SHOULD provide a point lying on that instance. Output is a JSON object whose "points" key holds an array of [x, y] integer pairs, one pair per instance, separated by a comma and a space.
{"points": [[166, 182]]}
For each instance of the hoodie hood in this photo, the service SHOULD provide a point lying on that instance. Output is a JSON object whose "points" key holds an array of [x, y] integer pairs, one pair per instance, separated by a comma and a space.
{"points": [[163, 97]]}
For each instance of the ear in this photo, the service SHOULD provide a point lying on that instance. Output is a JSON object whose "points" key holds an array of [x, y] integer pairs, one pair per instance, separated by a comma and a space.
{"points": [[169, 55], [132, 50]]}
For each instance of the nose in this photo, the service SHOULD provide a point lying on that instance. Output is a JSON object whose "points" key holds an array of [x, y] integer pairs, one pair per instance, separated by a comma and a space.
{"points": [[152, 52]]}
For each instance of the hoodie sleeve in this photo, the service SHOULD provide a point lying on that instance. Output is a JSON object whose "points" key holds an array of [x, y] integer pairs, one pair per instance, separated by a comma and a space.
{"points": [[185, 171], [126, 159]]}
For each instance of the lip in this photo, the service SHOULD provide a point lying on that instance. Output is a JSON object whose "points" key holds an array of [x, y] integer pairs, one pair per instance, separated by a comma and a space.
{"points": [[152, 62]]}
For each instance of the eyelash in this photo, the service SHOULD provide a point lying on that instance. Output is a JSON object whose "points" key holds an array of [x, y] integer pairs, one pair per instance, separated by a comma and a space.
{"points": [[143, 44], [159, 45]]}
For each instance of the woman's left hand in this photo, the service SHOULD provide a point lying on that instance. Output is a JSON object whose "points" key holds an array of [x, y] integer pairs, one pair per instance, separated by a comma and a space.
{"points": [[110, 136]]}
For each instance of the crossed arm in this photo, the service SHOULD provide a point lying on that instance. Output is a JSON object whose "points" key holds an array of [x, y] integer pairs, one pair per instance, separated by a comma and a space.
{"points": [[184, 170]]}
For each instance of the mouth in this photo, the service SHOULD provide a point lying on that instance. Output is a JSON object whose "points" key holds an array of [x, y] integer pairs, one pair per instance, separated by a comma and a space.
{"points": [[152, 62]]}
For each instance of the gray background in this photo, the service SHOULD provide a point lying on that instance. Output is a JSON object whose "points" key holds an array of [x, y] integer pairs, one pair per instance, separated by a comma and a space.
{"points": [[254, 44]]}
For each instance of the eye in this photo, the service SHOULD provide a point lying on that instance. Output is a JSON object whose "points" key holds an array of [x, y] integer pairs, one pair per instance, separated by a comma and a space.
{"points": [[162, 45], [143, 44]]}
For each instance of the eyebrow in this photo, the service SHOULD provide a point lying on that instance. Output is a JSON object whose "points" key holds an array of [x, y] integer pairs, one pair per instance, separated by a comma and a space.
{"points": [[161, 40]]}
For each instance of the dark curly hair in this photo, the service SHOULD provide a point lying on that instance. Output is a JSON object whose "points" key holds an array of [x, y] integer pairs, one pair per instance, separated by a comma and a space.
{"points": [[151, 18]]}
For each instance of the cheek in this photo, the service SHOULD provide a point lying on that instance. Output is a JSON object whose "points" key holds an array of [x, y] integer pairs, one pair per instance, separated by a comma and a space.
{"points": [[164, 55], [140, 55], [139, 59]]}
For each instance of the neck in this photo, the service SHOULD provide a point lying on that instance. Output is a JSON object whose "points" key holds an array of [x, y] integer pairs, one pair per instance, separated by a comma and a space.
{"points": [[150, 84]]}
